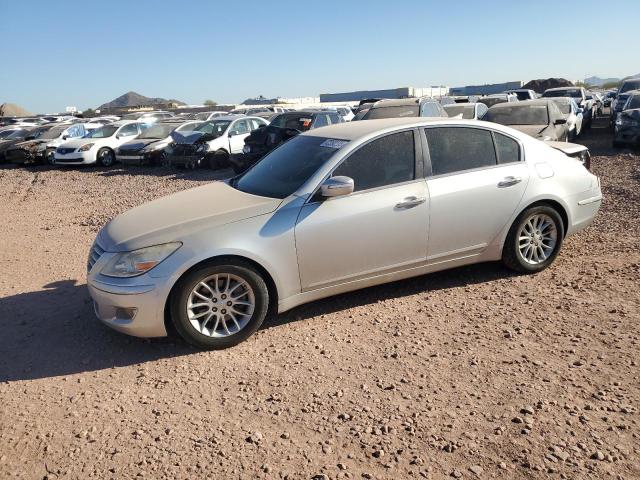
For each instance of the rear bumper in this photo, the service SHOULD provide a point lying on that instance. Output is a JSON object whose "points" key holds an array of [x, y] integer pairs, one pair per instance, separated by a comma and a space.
{"points": [[584, 208]]}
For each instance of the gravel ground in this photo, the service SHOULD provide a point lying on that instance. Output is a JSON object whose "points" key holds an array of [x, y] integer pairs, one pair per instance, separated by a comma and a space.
{"points": [[472, 373]]}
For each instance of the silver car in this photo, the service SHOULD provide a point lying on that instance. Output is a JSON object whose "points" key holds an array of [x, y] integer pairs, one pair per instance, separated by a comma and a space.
{"points": [[332, 210]]}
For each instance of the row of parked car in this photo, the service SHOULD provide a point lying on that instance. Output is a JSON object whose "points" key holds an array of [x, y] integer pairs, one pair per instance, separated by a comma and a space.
{"points": [[238, 139]]}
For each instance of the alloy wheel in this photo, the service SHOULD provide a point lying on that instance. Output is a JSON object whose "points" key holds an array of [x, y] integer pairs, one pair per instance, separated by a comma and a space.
{"points": [[537, 239]]}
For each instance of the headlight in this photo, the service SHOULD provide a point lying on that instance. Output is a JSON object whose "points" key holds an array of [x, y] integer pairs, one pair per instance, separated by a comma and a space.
{"points": [[246, 149], [86, 147], [203, 147], [155, 146], [137, 262]]}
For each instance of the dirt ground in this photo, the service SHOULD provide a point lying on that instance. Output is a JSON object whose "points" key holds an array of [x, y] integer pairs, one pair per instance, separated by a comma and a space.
{"points": [[472, 373]]}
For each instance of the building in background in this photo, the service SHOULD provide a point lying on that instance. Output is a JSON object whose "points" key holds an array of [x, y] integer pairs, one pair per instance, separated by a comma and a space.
{"points": [[260, 100], [486, 89], [395, 93]]}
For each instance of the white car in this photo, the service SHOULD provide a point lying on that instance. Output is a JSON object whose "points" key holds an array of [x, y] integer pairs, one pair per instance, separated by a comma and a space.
{"points": [[573, 114], [99, 146], [64, 134], [345, 112], [213, 142], [332, 210], [206, 116]]}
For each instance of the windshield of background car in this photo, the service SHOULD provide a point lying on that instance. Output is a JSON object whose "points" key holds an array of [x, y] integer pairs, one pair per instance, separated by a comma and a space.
{"points": [[633, 102], [467, 111], [565, 107], [630, 85], [52, 133], [392, 112], [285, 169], [157, 131], [132, 116], [491, 101], [519, 115], [215, 128], [102, 132], [570, 92], [9, 134], [300, 122]]}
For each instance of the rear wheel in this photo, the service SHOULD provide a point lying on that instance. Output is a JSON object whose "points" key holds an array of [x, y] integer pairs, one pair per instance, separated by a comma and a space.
{"points": [[106, 157], [220, 304], [534, 240]]}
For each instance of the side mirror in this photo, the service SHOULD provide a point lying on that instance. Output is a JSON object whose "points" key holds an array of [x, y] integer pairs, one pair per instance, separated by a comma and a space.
{"points": [[560, 121], [65, 137], [233, 133], [336, 187], [118, 136]]}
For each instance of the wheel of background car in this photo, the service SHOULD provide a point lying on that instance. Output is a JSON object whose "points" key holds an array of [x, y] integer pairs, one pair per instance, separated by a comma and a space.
{"points": [[219, 304], [105, 157], [534, 240], [220, 159], [50, 156]]}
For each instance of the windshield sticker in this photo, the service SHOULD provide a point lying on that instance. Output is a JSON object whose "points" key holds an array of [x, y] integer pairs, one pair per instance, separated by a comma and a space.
{"points": [[333, 143]]}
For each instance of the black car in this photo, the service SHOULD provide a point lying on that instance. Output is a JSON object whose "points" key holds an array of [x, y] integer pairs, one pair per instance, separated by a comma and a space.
{"points": [[29, 133], [282, 128], [627, 124]]}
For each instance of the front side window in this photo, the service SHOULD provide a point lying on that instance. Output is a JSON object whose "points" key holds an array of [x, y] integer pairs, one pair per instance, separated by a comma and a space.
{"points": [[102, 132], [241, 127], [321, 121], [128, 130], [456, 149], [381, 162]]}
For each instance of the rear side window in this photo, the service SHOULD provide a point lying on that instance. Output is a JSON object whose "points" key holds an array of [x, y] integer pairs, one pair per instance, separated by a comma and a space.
{"points": [[384, 161], [507, 148], [455, 149], [334, 118], [429, 109]]}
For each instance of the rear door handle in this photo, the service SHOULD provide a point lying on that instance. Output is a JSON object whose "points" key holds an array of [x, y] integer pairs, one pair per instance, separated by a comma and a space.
{"points": [[509, 182], [411, 202]]}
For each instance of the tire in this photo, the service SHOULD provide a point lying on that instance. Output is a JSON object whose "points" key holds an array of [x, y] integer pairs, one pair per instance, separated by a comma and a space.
{"points": [[49, 156], [615, 144], [515, 258], [220, 159], [219, 330], [105, 157]]}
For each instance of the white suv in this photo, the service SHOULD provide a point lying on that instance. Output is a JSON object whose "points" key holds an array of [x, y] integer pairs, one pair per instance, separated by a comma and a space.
{"points": [[99, 145]]}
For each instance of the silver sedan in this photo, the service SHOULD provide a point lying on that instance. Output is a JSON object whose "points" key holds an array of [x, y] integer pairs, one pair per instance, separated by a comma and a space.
{"points": [[332, 210]]}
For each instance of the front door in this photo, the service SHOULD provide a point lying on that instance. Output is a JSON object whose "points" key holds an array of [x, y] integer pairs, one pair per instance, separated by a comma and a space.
{"points": [[380, 228], [241, 130]]}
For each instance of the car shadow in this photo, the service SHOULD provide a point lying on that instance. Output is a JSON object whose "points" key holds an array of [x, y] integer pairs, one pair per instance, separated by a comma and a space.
{"points": [[53, 331]]}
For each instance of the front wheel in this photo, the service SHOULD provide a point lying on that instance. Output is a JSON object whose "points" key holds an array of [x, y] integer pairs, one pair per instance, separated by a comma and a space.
{"points": [[219, 305], [534, 240], [105, 157], [50, 156], [219, 160]]}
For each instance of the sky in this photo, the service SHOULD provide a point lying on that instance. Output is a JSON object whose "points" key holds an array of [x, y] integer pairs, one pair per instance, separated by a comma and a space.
{"points": [[82, 53]]}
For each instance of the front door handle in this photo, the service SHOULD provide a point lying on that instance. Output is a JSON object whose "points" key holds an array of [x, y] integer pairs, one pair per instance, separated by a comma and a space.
{"points": [[411, 202], [509, 182]]}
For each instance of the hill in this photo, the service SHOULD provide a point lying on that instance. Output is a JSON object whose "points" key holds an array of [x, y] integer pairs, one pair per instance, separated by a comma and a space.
{"points": [[598, 82], [13, 110], [133, 99]]}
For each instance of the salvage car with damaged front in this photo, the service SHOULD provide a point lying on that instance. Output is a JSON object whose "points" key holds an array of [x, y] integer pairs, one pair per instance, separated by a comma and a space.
{"points": [[541, 119], [211, 143], [627, 125], [42, 149]]}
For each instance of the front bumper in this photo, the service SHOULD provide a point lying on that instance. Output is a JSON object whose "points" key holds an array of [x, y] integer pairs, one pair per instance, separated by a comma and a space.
{"points": [[136, 309], [76, 158], [630, 135]]}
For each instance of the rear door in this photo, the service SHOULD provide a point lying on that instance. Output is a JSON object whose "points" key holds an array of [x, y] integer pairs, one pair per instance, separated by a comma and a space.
{"points": [[476, 179]]}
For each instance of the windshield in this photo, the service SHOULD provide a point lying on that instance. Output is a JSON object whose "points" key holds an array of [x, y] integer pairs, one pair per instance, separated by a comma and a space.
{"points": [[519, 115], [630, 85], [567, 92], [564, 106], [157, 131], [285, 169], [11, 133], [634, 102], [102, 132], [467, 111], [17, 134], [392, 112], [491, 101], [214, 128], [299, 122], [52, 133]]}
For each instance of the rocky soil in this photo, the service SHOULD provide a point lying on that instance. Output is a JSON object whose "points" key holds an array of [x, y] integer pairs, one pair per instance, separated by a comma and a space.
{"points": [[470, 373]]}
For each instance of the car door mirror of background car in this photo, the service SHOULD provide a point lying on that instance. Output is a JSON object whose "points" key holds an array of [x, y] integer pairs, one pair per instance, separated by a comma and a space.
{"points": [[337, 186], [560, 121], [233, 133]]}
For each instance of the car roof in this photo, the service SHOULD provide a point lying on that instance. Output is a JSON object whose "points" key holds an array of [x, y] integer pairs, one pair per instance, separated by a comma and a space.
{"points": [[355, 130], [399, 102], [523, 103], [556, 89]]}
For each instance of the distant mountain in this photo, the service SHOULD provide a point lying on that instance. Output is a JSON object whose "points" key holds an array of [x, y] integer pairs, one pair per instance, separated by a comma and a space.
{"points": [[598, 81], [637, 75], [133, 99], [13, 110]]}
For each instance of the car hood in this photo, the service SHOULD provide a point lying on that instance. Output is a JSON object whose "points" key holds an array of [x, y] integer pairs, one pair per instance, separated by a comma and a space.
{"points": [[139, 144], [176, 216], [531, 130]]}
